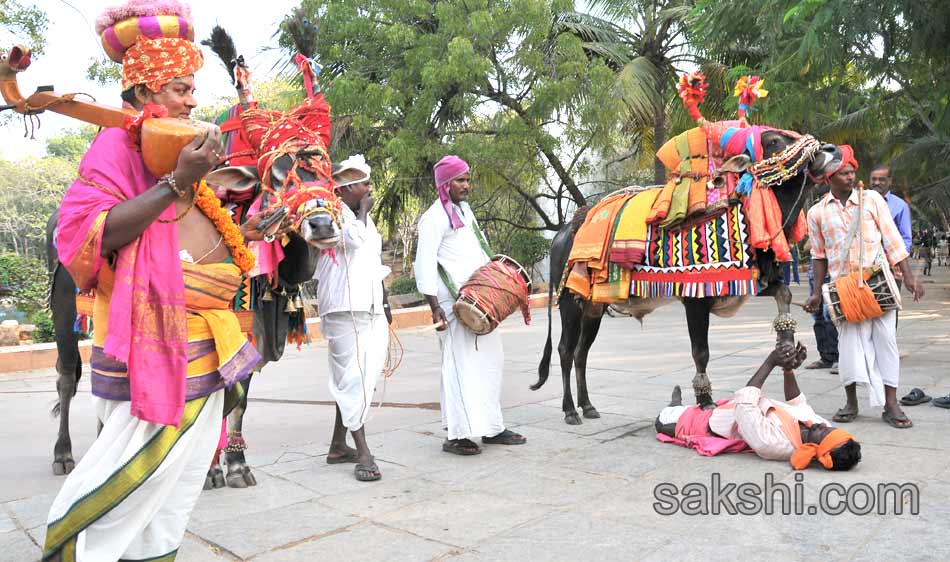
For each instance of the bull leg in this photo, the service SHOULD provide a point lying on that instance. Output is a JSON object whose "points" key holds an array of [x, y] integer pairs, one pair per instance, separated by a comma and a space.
{"points": [[697, 319], [570, 334], [784, 324], [215, 477], [590, 326], [63, 462], [239, 474]]}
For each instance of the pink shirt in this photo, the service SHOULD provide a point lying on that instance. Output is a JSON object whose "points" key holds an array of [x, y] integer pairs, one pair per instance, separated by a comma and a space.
{"points": [[754, 421], [828, 225]]}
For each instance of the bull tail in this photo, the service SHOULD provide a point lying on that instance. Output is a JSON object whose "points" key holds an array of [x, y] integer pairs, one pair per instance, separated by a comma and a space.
{"points": [[544, 368]]}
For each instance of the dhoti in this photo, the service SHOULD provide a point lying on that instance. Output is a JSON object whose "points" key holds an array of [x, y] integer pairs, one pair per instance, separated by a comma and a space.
{"points": [[358, 343], [132, 498], [472, 368], [868, 355]]}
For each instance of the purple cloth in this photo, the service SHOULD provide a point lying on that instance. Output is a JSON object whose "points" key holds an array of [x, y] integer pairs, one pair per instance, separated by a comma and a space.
{"points": [[900, 211], [446, 170]]}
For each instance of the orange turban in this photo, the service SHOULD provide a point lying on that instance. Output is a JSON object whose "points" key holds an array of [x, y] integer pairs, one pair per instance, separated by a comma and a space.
{"points": [[847, 157], [156, 62], [804, 454]]}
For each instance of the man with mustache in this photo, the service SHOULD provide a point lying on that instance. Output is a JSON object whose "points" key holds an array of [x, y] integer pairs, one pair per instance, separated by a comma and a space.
{"points": [[451, 248]]}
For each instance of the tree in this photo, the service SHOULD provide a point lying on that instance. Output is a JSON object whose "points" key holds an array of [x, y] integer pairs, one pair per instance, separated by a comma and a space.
{"points": [[72, 144], [870, 73], [30, 190], [25, 23], [500, 83]]}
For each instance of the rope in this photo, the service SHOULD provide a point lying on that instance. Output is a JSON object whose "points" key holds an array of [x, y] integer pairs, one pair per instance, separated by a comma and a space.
{"points": [[857, 301]]}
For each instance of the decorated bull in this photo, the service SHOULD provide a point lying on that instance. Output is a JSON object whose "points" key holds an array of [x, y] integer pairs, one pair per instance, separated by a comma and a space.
{"points": [[714, 235]]}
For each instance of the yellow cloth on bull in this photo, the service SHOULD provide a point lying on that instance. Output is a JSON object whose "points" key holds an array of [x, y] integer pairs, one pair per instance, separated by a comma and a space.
{"points": [[219, 353], [588, 259], [686, 156], [629, 242]]}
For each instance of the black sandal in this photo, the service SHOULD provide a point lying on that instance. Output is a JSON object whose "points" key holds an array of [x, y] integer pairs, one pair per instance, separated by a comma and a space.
{"points": [[464, 447], [367, 472], [897, 420], [914, 397], [506, 437]]}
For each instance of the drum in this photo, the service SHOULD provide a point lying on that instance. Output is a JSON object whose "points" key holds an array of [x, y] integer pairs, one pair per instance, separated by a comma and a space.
{"points": [[493, 293], [882, 284]]}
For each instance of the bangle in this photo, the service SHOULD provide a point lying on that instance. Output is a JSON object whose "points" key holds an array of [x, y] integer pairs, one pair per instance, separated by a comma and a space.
{"points": [[169, 178]]}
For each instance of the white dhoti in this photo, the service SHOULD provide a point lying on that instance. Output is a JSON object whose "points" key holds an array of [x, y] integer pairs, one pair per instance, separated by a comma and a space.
{"points": [[868, 355], [356, 360], [131, 495], [472, 369]]}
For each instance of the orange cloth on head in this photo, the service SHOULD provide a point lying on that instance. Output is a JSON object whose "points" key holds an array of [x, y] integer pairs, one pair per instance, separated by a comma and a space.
{"points": [[156, 62], [804, 454]]}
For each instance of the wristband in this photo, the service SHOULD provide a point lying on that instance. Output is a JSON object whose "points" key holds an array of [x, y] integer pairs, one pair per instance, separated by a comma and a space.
{"points": [[169, 178]]}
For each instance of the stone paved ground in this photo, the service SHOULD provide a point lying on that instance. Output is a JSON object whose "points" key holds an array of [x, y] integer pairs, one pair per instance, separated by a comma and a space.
{"points": [[572, 492]]}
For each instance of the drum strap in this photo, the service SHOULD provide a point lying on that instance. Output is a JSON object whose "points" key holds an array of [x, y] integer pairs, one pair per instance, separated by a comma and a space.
{"points": [[453, 290]]}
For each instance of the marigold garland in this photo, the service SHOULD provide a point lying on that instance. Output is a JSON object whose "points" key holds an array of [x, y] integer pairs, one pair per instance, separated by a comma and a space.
{"points": [[210, 205]]}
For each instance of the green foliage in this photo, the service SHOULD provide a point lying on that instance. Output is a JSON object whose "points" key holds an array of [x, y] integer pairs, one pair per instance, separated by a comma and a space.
{"points": [[44, 327], [72, 144], [404, 285], [28, 281], [30, 190], [527, 247], [104, 70], [26, 23]]}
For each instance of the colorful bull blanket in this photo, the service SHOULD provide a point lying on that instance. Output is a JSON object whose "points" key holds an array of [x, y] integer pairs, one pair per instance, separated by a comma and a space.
{"points": [[709, 257]]}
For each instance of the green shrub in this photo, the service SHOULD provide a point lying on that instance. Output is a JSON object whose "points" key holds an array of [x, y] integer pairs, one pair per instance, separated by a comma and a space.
{"points": [[44, 327], [27, 280], [404, 285]]}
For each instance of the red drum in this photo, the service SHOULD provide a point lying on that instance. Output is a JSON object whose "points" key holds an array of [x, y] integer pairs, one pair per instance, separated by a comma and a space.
{"points": [[493, 293]]}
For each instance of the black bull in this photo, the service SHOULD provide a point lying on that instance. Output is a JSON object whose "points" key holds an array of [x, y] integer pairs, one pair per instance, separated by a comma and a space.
{"points": [[580, 319], [270, 321]]}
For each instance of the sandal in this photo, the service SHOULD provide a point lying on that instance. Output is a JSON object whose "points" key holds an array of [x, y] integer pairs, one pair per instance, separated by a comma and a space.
{"points": [[506, 437], [900, 421], [942, 402], [914, 397], [367, 472], [464, 447], [844, 416]]}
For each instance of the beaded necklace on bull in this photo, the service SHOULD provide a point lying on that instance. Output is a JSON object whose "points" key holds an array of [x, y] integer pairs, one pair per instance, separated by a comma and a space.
{"points": [[764, 174]]}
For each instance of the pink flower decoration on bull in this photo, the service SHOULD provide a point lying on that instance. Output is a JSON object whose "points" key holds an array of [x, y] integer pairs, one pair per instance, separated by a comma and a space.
{"points": [[748, 90]]}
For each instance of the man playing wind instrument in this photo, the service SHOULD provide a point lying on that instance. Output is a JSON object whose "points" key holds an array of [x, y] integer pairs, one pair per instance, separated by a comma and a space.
{"points": [[168, 354], [354, 316]]}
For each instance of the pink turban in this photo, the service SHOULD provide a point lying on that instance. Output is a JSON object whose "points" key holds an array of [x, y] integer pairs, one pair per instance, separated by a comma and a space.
{"points": [[446, 170]]}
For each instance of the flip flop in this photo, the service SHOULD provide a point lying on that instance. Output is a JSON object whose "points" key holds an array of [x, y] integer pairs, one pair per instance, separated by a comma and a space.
{"points": [[895, 420], [914, 397], [942, 402], [818, 364], [347, 458], [844, 416], [506, 437], [367, 472], [463, 447]]}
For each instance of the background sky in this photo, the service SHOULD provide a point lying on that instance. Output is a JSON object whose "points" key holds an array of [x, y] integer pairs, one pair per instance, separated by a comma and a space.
{"points": [[72, 43]]}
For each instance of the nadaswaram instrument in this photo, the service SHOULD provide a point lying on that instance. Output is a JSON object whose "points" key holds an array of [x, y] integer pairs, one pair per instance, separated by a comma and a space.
{"points": [[493, 293], [162, 138]]}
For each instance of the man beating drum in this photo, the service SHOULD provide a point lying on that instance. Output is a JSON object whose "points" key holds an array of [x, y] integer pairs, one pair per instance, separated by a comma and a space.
{"points": [[852, 230], [451, 248]]}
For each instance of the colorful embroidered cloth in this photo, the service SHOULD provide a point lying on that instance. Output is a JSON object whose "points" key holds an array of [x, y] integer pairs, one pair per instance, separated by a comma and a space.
{"points": [[702, 258], [629, 241], [587, 262], [686, 156]]}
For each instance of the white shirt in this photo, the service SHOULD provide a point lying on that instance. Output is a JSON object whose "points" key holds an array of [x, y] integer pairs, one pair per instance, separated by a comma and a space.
{"points": [[457, 250], [355, 281], [754, 421]]}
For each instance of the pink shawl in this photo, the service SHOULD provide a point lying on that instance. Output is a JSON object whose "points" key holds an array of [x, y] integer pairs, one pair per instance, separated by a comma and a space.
{"points": [[446, 170], [692, 431], [147, 323]]}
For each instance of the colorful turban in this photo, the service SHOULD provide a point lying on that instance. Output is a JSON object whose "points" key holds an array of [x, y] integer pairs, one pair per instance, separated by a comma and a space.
{"points": [[156, 62], [847, 157], [804, 454], [446, 170]]}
